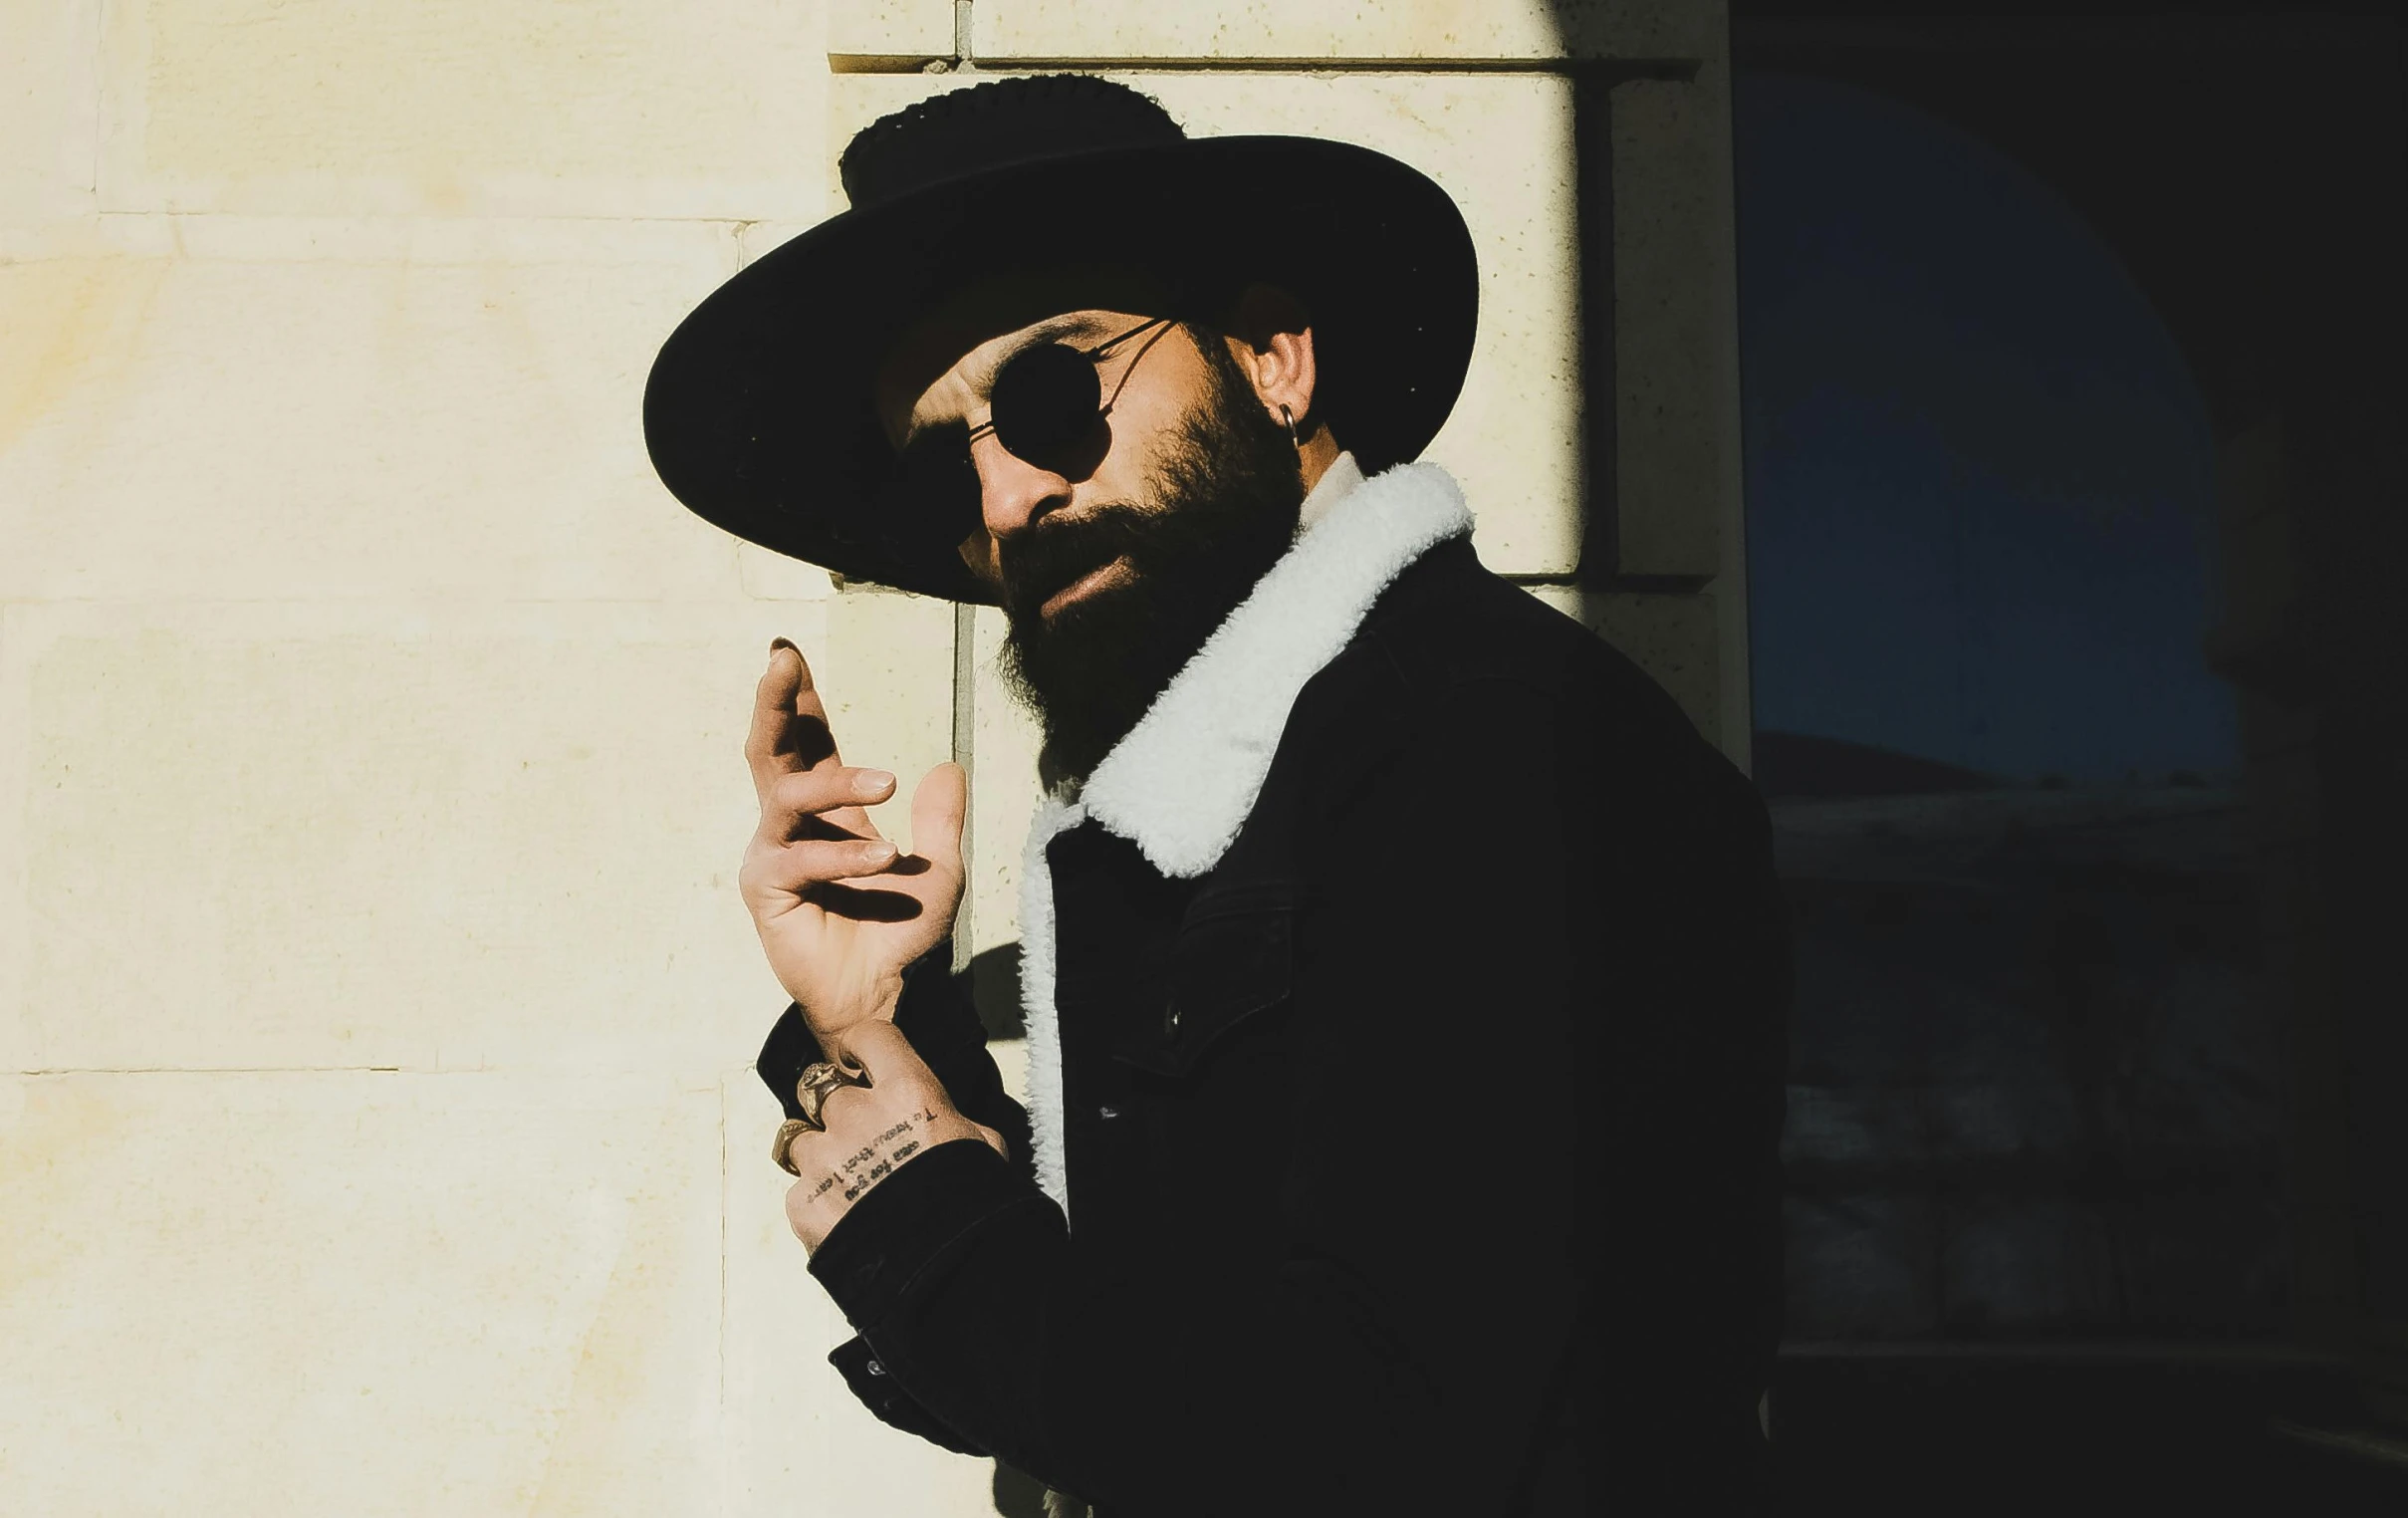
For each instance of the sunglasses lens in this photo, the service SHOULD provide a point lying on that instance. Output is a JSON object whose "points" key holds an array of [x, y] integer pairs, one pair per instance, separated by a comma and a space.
{"points": [[1045, 399]]}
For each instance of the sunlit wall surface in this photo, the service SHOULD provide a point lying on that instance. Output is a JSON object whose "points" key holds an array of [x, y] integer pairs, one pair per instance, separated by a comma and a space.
{"points": [[377, 1134]]}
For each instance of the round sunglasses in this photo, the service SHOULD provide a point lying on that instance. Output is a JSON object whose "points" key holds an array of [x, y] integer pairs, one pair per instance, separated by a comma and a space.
{"points": [[1046, 398]]}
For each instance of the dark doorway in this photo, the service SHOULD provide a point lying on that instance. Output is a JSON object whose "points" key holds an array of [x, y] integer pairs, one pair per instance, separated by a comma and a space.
{"points": [[2030, 1093], [2068, 649]]}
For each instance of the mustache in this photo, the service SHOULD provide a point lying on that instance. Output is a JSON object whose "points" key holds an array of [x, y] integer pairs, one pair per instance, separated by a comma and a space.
{"points": [[1055, 554]]}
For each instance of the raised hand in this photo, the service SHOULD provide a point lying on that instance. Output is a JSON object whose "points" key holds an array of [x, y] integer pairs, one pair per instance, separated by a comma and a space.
{"points": [[840, 912]]}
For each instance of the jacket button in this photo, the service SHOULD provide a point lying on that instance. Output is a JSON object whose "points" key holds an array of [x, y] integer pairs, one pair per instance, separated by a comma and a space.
{"points": [[875, 1369], [1170, 1021]]}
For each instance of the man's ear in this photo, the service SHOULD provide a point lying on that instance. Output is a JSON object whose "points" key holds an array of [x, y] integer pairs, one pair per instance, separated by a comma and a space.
{"points": [[1270, 336]]}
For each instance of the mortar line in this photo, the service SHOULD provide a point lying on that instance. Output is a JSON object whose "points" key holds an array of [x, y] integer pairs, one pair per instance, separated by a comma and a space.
{"points": [[553, 1072], [1682, 70], [965, 754], [100, 100], [726, 1475]]}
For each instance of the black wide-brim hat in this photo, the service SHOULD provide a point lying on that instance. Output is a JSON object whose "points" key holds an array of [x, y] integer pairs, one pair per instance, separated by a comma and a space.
{"points": [[759, 411]]}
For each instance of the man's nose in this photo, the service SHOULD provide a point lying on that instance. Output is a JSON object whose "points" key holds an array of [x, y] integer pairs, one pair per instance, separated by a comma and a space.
{"points": [[1011, 492]]}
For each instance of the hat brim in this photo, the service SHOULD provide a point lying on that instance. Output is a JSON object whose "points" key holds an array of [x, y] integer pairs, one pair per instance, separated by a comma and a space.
{"points": [[760, 416]]}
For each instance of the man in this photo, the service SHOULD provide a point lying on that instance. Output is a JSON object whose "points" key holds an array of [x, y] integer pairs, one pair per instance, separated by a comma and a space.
{"points": [[1403, 974]]}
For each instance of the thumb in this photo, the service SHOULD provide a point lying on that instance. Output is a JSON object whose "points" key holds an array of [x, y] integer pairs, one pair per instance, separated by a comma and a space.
{"points": [[937, 809]]}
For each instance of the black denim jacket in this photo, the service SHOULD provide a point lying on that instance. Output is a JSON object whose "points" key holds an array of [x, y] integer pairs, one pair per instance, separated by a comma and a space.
{"points": [[1423, 1154]]}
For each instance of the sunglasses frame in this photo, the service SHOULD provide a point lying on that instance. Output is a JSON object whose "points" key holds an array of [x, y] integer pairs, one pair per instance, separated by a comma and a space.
{"points": [[934, 490], [1096, 353]]}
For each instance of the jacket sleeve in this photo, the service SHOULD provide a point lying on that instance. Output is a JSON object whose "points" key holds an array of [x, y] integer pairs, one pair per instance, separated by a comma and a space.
{"points": [[935, 1015], [1395, 1351]]}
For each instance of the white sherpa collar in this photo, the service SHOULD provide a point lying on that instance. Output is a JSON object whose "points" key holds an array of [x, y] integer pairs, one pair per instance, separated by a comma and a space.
{"points": [[1181, 783]]}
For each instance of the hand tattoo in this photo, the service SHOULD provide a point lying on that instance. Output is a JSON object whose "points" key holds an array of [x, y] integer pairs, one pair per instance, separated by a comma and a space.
{"points": [[857, 1179]]}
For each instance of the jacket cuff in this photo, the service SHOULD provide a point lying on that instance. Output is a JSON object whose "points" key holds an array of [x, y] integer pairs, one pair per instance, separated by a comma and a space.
{"points": [[884, 1396], [910, 1220]]}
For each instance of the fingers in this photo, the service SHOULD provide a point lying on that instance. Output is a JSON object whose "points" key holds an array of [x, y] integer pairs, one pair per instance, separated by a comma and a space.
{"points": [[937, 809], [787, 799], [789, 725], [793, 867]]}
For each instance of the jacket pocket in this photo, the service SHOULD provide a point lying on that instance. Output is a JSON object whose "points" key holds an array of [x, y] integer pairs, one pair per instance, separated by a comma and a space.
{"points": [[1225, 967]]}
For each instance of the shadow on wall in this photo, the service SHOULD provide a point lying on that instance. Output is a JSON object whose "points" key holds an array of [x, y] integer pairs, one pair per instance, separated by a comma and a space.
{"points": [[992, 982], [1017, 1494]]}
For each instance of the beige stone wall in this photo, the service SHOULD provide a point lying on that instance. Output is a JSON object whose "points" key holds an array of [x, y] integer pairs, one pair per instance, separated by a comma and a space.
{"points": [[378, 1132]]}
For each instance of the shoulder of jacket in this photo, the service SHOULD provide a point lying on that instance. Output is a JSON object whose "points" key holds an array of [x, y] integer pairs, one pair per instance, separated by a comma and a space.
{"points": [[1449, 622], [1451, 637]]}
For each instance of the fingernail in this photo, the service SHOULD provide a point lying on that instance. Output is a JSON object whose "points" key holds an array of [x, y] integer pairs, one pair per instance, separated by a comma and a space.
{"points": [[878, 852], [870, 782]]}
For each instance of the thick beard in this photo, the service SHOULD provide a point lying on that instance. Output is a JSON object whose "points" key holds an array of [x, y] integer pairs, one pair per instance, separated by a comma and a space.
{"points": [[1226, 496]]}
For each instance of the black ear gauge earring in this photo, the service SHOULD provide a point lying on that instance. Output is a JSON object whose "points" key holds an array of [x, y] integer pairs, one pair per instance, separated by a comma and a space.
{"points": [[1289, 418]]}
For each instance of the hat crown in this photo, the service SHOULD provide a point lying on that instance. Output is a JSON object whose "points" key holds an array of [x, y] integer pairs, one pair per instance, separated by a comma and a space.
{"points": [[995, 125]]}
